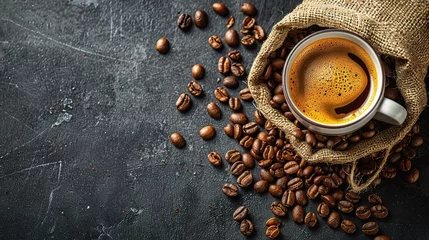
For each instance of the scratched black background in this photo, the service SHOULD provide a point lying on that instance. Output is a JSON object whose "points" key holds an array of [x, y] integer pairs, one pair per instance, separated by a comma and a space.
{"points": [[86, 108]]}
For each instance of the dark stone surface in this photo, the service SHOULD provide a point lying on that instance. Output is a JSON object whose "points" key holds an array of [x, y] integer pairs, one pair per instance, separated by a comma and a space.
{"points": [[110, 171]]}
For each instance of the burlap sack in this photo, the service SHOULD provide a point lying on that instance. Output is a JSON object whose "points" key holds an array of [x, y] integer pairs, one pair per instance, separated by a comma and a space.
{"points": [[399, 28]]}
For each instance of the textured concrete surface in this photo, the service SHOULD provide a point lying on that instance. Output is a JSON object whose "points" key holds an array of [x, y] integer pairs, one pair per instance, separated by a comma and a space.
{"points": [[86, 108]]}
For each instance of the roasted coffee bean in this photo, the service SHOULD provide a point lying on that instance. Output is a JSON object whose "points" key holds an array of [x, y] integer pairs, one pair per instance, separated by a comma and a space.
{"points": [[220, 8], [240, 213], [310, 139], [272, 222], [379, 211], [231, 38], [415, 129], [382, 237], [183, 102], [258, 32], [237, 168], [234, 104], [282, 182], [230, 190], [322, 190], [342, 146], [319, 179], [278, 209], [295, 184], [250, 128], [162, 45], [215, 159], [245, 179], [266, 175], [291, 167], [246, 141], [246, 227], [354, 138], [230, 22], [248, 160], [238, 69], [288, 198], [231, 82], [310, 219], [272, 231], [229, 130], [301, 198], [200, 19], [232, 156], [333, 142], [345, 206], [369, 134], [395, 157], [215, 42], [275, 191], [413, 175], [214, 111], [404, 165], [278, 100], [363, 212], [348, 226], [177, 140], [277, 77], [334, 219], [409, 153], [392, 93], [329, 200], [184, 22], [224, 65], [337, 180], [248, 22], [269, 125], [277, 170], [338, 194], [352, 197], [245, 94], [260, 186], [238, 118], [370, 228], [298, 214], [238, 131], [278, 63], [235, 55], [195, 88], [207, 132], [323, 210], [221, 94], [269, 152], [268, 72], [328, 182], [312, 192], [248, 41], [198, 71], [416, 141], [248, 9], [265, 163], [375, 199], [388, 172], [298, 133]]}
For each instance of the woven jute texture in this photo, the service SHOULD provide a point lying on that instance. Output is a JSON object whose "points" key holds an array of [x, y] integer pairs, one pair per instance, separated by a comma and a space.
{"points": [[398, 28]]}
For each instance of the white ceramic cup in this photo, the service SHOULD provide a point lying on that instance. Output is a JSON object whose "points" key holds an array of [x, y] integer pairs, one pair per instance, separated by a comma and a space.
{"points": [[381, 108]]}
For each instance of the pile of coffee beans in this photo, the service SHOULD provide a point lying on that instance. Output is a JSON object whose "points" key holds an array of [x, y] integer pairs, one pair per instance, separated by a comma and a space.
{"points": [[282, 172]]}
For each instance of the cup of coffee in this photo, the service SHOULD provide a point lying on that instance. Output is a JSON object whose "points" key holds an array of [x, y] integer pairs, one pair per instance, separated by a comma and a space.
{"points": [[333, 82]]}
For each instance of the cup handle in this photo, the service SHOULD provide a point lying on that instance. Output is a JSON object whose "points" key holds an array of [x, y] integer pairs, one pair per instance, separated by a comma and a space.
{"points": [[391, 112]]}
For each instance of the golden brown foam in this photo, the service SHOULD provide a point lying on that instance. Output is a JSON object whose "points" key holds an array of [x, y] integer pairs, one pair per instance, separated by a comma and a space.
{"points": [[323, 78]]}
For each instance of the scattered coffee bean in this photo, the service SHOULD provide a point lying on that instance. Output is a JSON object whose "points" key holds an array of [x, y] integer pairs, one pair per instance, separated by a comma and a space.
{"points": [[298, 134], [229, 130], [388, 172], [184, 22], [230, 190], [348, 226], [248, 41], [272, 231], [272, 221], [231, 38], [198, 71], [278, 209], [195, 88], [288, 198], [162, 45], [200, 19], [245, 179], [231, 82], [232, 156], [220, 8], [215, 42], [363, 212], [329, 200], [282, 182], [375, 199], [310, 219], [237, 168], [323, 210], [295, 184], [246, 141], [183, 102], [310, 139], [238, 69], [221, 94], [416, 141], [370, 228], [248, 160], [258, 32], [382, 237], [246, 227], [235, 55], [214, 111], [334, 219], [352, 197], [291, 167], [207, 132], [177, 140], [260, 186], [230, 22], [404, 165], [224, 65], [379, 211], [298, 214], [312, 192], [278, 63], [248, 9], [301, 198], [275, 191], [345, 206], [246, 95], [413, 175], [240, 213], [248, 22], [215, 158], [238, 131], [238, 118]]}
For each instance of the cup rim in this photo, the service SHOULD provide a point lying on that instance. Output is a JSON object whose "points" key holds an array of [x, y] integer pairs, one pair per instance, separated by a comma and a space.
{"points": [[371, 52]]}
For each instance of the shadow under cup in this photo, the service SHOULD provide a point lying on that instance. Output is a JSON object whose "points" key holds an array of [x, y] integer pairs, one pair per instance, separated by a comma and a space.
{"points": [[362, 109]]}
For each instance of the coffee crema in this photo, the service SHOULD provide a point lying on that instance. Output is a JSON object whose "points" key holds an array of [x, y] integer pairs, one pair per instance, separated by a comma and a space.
{"points": [[332, 81]]}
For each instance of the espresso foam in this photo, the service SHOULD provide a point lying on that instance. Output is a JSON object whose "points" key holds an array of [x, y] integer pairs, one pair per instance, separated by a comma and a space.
{"points": [[323, 78]]}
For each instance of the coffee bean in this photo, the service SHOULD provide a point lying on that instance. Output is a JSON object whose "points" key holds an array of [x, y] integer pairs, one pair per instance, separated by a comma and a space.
{"points": [[198, 71], [260, 186], [184, 22], [162, 45], [232, 156], [234, 104], [238, 69], [282, 182], [279, 99], [238, 131], [295, 184], [363, 212], [413, 175], [392, 93], [246, 141], [230, 190], [329, 200], [269, 152], [207, 132], [278, 209], [183, 102], [352, 197], [395, 157], [298, 214], [291, 167], [250, 128], [388, 172], [214, 111], [354, 138], [370, 228], [312, 192], [404, 165], [248, 41], [220, 8], [301, 198], [416, 141], [246, 95], [238, 118], [215, 158], [272, 222], [248, 22], [200, 19], [267, 74], [334, 219], [310, 139], [248, 9], [375, 199], [177, 140], [230, 22], [265, 163], [246, 227], [379, 211], [235, 55], [345, 206], [229, 130], [245, 179], [237, 168], [297, 133], [275, 191], [221, 94], [195, 88], [248, 160], [323, 210], [348, 226], [240, 213], [258, 32], [415, 129], [231, 38], [310, 219], [369, 134], [323, 190], [231, 82], [266, 175], [215, 42], [288, 198], [278, 63], [224, 65], [382, 237], [409, 153], [272, 231]]}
